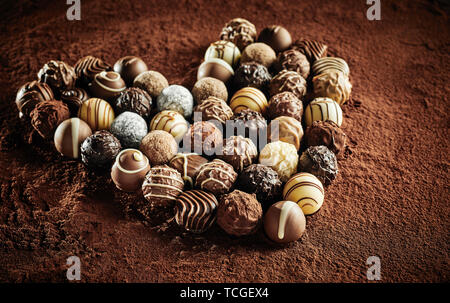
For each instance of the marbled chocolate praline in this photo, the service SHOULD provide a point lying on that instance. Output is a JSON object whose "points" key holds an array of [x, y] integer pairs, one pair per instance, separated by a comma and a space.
{"points": [[216, 177], [188, 165], [238, 151]]}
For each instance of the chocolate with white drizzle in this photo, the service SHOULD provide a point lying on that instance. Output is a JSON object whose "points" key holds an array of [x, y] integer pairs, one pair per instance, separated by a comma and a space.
{"points": [[216, 176]]}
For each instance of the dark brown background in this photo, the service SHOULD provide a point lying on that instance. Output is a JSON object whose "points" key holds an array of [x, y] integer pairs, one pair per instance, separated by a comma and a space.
{"points": [[391, 198]]}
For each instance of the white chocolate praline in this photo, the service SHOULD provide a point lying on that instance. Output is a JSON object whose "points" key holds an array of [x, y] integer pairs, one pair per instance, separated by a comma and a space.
{"points": [[171, 122], [332, 84], [281, 157], [306, 190], [176, 98], [225, 50], [323, 109], [324, 64]]}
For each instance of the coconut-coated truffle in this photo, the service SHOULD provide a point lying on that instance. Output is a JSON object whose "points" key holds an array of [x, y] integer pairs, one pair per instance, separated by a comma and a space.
{"points": [[151, 81], [260, 53], [129, 128], [47, 115], [177, 98], [209, 87], [159, 146]]}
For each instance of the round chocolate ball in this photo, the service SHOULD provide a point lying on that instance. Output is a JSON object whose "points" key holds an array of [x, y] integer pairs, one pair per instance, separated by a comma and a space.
{"points": [[170, 121], [321, 162], [151, 81], [276, 36], [203, 138], [106, 85], [284, 222], [249, 98], [100, 149], [134, 100], [286, 129], [295, 61], [209, 87], [58, 75], [313, 50], [188, 165], [239, 31], [288, 81], [30, 94], [74, 98], [69, 135], [326, 133], [249, 124], [238, 151], [224, 50], [285, 104], [306, 190], [260, 53], [129, 68], [332, 84], [130, 129], [214, 109], [87, 67], [159, 146], [176, 98], [323, 109], [252, 74], [216, 176], [97, 113], [325, 64], [47, 115], [215, 68], [281, 157], [129, 170]]}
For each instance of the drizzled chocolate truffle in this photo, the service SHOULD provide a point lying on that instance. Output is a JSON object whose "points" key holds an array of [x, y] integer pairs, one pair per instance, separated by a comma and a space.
{"points": [[286, 129], [313, 50], [100, 149], [295, 61], [188, 165], [30, 94], [326, 133], [47, 115], [87, 67], [134, 100], [285, 104], [216, 176], [321, 162], [250, 124], [238, 151], [252, 74], [203, 137], [106, 85], [239, 31], [73, 98], [214, 109], [288, 81], [58, 75]]}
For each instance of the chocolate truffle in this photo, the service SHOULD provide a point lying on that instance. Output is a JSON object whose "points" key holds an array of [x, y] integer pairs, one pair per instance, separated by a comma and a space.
{"points": [[276, 36], [30, 94], [58, 75], [209, 87], [134, 100], [249, 98], [321, 162], [47, 115], [326, 133], [151, 81], [324, 64], [285, 104], [239, 31], [313, 50], [261, 180], [294, 60], [238, 151], [159, 146], [214, 108], [252, 74], [305, 190], [129, 68], [97, 113], [284, 222], [73, 98], [129, 170], [249, 124], [224, 50], [100, 149], [260, 53], [188, 165], [203, 138], [239, 213], [195, 210], [281, 157], [130, 129], [177, 98], [332, 84], [288, 81], [286, 129], [216, 176], [69, 135], [323, 109], [161, 187], [215, 68], [171, 122], [106, 85], [87, 67]]}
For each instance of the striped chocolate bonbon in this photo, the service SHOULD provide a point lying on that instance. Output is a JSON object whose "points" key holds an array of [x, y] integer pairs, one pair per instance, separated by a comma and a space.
{"points": [[313, 50], [97, 113], [249, 98], [171, 122], [327, 63], [305, 190], [323, 109], [87, 67]]}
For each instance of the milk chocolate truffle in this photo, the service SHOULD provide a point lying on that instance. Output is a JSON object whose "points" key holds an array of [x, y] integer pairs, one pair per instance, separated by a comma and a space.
{"points": [[30, 94], [332, 84], [238, 151], [286, 129], [260, 53], [321, 162], [209, 87], [203, 138], [326, 133], [106, 85], [249, 124], [58, 75], [69, 135], [47, 115], [87, 67], [281, 157], [177, 98], [239, 213], [188, 165], [100, 149], [284, 222], [130, 129], [313, 50], [330, 63], [151, 81], [285, 104], [252, 74], [195, 210], [129, 170], [224, 50], [73, 98], [249, 98], [159, 146], [276, 36], [171, 122], [134, 100], [214, 108], [288, 81], [161, 187], [295, 61], [323, 109], [215, 68], [239, 31], [97, 113], [129, 67], [305, 190], [261, 180], [216, 176]]}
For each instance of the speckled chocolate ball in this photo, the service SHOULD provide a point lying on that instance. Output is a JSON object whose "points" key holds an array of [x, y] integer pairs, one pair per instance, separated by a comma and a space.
{"points": [[285, 104], [177, 98], [295, 61], [151, 81], [260, 53], [130, 129], [209, 87], [100, 149], [159, 146], [288, 81], [239, 31]]}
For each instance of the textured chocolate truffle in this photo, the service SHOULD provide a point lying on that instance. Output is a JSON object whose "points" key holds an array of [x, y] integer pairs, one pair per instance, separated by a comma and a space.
{"points": [[326, 133], [288, 81], [177, 98], [203, 137], [286, 129], [152, 82], [195, 210], [130, 129], [313, 50], [332, 84], [252, 74], [97, 113], [74, 98], [216, 177], [87, 67], [321, 162], [224, 50], [159, 146], [239, 31], [284, 222], [260, 53], [239, 213], [214, 108], [129, 170], [238, 151], [209, 87], [249, 124], [47, 115], [106, 85], [188, 165], [69, 135], [281, 157], [170, 121], [295, 61], [215, 68], [30, 94], [100, 149], [263, 181], [129, 68], [285, 104], [58, 75], [134, 100], [277, 37]]}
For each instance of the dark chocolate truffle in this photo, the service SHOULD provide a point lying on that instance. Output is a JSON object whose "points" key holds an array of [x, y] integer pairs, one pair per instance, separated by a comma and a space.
{"points": [[295, 61], [129, 68], [321, 162], [100, 149], [249, 124], [284, 222], [313, 50], [238, 151], [73, 98], [203, 137], [188, 165], [252, 74], [159, 146], [239, 31], [58, 75], [216, 177], [285, 104], [129, 170], [69, 135], [260, 53], [47, 115], [326, 133], [87, 67], [134, 100], [30, 94], [288, 81], [106, 85], [277, 37], [214, 109]]}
